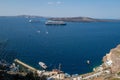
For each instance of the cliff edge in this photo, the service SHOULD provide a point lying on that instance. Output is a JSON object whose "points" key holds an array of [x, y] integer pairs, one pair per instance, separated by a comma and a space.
{"points": [[112, 60]]}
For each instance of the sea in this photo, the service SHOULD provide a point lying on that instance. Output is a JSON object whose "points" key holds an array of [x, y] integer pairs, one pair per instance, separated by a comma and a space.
{"points": [[70, 45]]}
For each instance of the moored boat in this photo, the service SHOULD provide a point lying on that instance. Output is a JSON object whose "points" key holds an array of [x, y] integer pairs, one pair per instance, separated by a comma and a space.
{"points": [[43, 65]]}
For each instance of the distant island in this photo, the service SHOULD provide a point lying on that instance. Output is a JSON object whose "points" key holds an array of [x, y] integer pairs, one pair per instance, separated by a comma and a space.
{"points": [[81, 19], [68, 19], [72, 19]]}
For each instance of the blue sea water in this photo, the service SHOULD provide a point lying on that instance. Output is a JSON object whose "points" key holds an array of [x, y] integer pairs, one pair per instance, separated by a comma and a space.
{"points": [[71, 45]]}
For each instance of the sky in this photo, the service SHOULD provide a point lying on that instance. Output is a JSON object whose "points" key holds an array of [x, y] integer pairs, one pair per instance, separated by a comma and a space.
{"points": [[62, 8]]}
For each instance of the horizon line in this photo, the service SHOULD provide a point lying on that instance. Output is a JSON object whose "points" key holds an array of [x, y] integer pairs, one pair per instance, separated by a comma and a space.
{"points": [[54, 16]]}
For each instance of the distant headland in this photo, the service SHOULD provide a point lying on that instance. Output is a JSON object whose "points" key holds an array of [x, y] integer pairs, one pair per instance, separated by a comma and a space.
{"points": [[82, 19], [69, 19]]}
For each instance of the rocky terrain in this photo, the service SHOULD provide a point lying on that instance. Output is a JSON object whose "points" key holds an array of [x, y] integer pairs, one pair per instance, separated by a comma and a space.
{"points": [[114, 56], [109, 69]]}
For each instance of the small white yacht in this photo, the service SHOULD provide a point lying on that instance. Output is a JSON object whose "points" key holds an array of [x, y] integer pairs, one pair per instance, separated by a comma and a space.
{"points": [[88, 61], [43, 65], [33, 21]]}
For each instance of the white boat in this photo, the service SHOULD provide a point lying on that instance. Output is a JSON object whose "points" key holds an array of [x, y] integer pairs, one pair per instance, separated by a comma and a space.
{"points": [[88, 62], [38, 31], [34, 21], [30, 21], [43, 65], [46, 32]]}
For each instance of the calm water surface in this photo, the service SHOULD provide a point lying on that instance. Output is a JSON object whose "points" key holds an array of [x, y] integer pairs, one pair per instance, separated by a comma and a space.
{"points": [[71, 45]]}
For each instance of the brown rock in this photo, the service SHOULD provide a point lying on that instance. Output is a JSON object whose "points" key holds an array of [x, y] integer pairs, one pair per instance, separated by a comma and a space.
{"points": [[114, 56]]}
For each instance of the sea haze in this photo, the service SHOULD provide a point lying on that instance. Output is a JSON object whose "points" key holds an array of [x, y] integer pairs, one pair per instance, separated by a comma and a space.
{"points": [[71, 45]]}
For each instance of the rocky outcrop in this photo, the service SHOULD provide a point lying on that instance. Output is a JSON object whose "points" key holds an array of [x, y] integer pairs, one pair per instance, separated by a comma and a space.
{"points": [[112, 59]]}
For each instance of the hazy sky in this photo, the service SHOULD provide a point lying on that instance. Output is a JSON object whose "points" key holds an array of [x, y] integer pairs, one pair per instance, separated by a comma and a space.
{"points": [[61, 8]]}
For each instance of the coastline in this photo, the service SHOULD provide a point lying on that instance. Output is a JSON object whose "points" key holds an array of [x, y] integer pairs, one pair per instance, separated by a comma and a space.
{"points": [[68, 67], [106, 71]]}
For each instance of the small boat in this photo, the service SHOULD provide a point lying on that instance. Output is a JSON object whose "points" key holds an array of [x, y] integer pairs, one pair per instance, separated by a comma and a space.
{"points": [[30, 21], [88, 62], [43, 65], [38, 31], [34, 21], [46, 32]]}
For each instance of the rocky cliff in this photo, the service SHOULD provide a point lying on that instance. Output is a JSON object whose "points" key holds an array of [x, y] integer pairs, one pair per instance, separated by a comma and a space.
{"points": [[112, 59]]}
